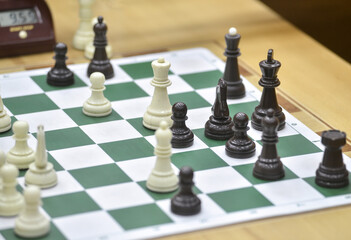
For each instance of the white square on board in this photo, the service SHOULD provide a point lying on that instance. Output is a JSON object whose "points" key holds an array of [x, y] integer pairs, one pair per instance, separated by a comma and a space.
{"points": [[198, 117], [303, 165], [132, 108], [70, 98], [20, 86]]}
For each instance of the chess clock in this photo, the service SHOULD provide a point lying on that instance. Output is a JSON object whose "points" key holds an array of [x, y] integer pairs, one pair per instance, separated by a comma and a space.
{"points": [[25, 27]]}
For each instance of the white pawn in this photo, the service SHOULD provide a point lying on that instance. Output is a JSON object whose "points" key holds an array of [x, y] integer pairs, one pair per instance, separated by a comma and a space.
{"points": [[21, 155], [2, 163], [31, 223], [5, 120], [84, 33], [162, 178], [90, 48], [41, 172], [160, 108], [97, 105], [11, 201]]}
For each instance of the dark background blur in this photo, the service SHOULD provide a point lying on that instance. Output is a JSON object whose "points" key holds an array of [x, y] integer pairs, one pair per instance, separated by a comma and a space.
{"points": [[327, 21]]}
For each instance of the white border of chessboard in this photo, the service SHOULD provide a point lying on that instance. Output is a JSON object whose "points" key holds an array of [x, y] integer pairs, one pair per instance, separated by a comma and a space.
{"points": [[229, 218]]}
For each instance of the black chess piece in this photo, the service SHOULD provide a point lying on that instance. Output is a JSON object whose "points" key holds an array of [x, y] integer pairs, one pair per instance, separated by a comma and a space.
{"points": [[100, 62], [231, 75], [220, 125], [268, 166], [269, 82], [332, 172], [240, 145], [60, 75], [182, 136], [185, 202]]}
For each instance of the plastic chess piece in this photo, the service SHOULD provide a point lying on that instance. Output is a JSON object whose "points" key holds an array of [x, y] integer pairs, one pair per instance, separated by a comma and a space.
{"points": [[186, 202], [160, 108], [269, 82], [60, 75], [332, 172], [240, 145], [21, 155], [11, 201], [97, 105], [90, 49], [2, 163], [5, 120], [84, 34], [41, 172], [182, 136], [268, 166], [100, 61], [231, 75], [162, 177], [220, 125], [31, 223]]}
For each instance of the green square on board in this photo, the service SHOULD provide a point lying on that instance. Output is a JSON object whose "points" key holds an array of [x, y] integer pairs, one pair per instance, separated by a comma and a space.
{"points": [[128, 149], [246, 171], [199, 159], [140, 216], [9, 132], [191, 99], [54, 233], [66, 138], [203, 79], [122, 91], [139, 70], [79, 202], [97, 176], [200, 133], [246, 107], [77, 115], [295, 145], [41, 81], [29, 104], [240, 199], [329, 192], [137, 123], [161, 196]]}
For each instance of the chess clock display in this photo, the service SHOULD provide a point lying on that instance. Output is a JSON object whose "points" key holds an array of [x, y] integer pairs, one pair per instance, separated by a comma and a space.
{"points": [[26, 27]]}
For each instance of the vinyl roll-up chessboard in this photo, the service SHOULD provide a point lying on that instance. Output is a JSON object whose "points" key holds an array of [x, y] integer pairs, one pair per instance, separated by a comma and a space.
{"points": [[103, 163]]}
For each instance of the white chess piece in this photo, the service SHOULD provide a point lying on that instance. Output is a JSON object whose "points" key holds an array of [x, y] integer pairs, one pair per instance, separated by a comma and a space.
{"points": [[21, 155], [41, 172], [85, 32], [2, 163], [90, 49], [5, 120], [97, 105], [31, 223], [11, 201], [160, 108], [162, 177]]}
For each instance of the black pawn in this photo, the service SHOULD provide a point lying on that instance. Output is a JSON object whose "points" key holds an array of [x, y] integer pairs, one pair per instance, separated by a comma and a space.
{"points": [[60, 75], [268, 166], [185, 202], [332, 172], [269, 82], [240, 145], [182, 136], [235, 87], [100, 62], [220, 125]]}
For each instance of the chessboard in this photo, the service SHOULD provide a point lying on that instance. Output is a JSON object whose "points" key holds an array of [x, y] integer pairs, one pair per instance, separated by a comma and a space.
{"points": [[103, 163]]}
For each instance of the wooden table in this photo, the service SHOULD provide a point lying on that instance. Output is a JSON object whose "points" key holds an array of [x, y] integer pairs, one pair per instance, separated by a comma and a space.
{"points": [[315, 79]]}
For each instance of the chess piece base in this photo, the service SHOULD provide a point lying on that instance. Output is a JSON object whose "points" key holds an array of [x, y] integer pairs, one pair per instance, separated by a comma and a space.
{"points": [[104, 67], [268, 169], [11, 206], [41, 177], [21, 161], [332, 178], [186, 206], [219, 129], [60, 79], [33, 227], [260, 113], [151, 121], [241, 149], [162, 182], [235, 90], [182, 140], [5, 123], [97, 110]]}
